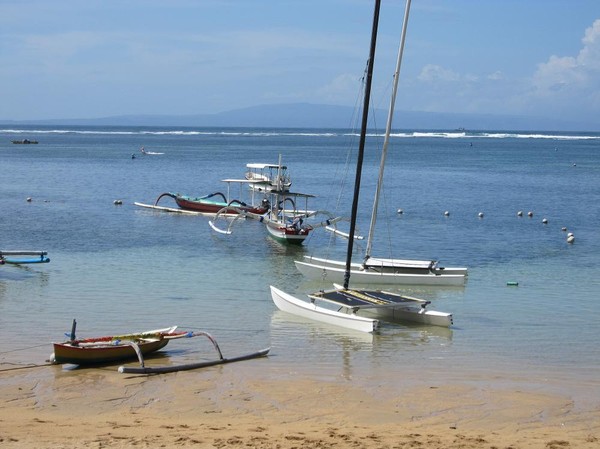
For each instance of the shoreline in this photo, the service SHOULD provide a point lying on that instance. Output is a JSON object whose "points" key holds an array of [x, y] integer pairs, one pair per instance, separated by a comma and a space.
{"points": [[241, 405]]}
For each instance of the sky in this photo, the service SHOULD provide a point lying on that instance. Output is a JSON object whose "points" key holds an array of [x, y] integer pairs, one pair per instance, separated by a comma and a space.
{"points": [[100, 58]]}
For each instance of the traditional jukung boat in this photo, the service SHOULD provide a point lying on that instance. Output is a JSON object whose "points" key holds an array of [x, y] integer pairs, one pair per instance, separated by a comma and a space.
{"points": [[23, 257], [112, 348], [213, 203], [267, 177], [350, 302], [285, 221], [116, 348]]}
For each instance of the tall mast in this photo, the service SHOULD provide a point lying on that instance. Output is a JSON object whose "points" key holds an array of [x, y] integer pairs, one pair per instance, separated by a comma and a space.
{"points": [[361, 144], [388, 130]]}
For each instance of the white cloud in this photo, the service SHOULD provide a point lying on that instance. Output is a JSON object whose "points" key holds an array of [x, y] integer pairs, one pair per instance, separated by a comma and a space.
{"points": [[571, 82], [567, 85], [436, 73]]}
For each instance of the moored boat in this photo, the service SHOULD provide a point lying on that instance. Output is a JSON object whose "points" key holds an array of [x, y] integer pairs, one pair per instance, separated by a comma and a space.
{"points": [[23, 257], [382, 271], [267, 177], [24, 142], [213, 203], [285, 220], [379, 270], [349, 302]]}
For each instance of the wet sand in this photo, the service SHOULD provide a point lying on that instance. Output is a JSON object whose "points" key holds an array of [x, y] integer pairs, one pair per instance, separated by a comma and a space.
{"points": [[235, 406]]}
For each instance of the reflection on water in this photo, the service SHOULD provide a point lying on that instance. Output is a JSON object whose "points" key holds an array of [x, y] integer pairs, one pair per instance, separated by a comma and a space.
{"points": [[389, 346]]}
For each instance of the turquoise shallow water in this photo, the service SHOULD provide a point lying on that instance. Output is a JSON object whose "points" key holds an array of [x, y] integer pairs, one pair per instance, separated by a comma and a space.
{"points": [[124, 268]]}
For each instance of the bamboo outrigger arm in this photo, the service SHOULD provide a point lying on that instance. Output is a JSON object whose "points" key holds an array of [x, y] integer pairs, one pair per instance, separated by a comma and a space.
{"points": [[142, 369]]}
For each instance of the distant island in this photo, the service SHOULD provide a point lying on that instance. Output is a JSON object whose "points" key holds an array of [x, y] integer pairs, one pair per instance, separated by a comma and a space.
{"points": [[306, 115]]}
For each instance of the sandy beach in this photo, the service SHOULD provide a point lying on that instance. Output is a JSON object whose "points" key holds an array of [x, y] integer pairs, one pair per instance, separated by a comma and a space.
{"points": [[234, 406]]}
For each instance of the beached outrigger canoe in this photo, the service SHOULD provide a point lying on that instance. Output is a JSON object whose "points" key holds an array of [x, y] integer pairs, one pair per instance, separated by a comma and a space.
{"points": [[112, 348], [117, 348]]}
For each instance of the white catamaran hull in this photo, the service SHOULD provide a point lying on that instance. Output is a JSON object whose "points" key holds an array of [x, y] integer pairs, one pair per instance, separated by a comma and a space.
{"points": [[423, 316], [305, 309], [333, 271]]}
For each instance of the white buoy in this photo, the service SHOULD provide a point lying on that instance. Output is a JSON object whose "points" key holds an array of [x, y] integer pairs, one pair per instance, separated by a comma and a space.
{"points": [[447, 214], [564, 229], [570, 238], [117, 202], [29, 199], [545, 220], [480, 215], [520, 213], [400, 211], [530, 214]]}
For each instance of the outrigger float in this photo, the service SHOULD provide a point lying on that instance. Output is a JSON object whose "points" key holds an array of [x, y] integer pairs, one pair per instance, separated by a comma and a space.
{"points": [[16, 257], [105, 350]]}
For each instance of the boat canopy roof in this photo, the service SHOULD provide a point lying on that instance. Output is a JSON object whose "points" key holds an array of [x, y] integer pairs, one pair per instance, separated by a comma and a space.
{"points": [[263, 166], [243, 181], [288, 193]]}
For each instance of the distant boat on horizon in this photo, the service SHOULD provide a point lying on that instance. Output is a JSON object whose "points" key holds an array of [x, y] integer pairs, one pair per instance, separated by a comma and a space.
{"points": [[25, 142]]}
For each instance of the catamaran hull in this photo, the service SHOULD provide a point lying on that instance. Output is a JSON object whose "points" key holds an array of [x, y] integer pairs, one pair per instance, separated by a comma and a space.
{"points": [[413, 315], [333, 271], [291, 304]]}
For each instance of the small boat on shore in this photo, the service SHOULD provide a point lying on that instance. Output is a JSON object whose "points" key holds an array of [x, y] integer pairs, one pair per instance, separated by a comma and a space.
{"points": [[117, 348], [23, 257], [25, 142], [111, 348]]}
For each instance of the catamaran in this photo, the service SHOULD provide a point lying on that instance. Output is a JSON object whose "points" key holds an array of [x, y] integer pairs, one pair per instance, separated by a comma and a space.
{"points": [[352, 304], [374, 270]]}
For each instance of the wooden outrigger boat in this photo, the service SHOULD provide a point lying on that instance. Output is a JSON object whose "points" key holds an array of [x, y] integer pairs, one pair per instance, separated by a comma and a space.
{"points": [[17, 257], [288, 226], [213, 203], [351, 303], [116, 348], [285, 221], [268, 177], [111, 348]]}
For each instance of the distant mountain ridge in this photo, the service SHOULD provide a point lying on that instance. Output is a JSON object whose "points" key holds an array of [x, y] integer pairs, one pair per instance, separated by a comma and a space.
{"points": [[307, 115]]}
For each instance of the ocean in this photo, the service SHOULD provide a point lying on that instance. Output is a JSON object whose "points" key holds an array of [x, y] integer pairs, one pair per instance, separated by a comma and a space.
{"points": [[121, 268]]}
